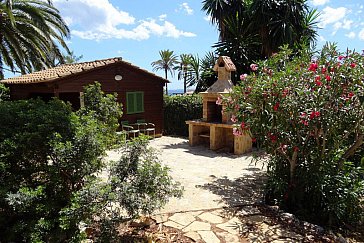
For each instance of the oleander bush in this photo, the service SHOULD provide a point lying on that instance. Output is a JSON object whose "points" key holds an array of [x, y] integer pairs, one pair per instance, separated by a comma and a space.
{"points": [[306, 111], [177, 110]]}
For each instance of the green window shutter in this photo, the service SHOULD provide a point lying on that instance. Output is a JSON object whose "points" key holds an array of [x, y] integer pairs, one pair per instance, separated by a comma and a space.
{"points": [[134, 102], [130, 103], [139, 101]]}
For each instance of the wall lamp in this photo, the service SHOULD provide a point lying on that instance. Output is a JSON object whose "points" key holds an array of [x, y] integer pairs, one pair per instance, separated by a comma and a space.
{"points": [[118, 77]]}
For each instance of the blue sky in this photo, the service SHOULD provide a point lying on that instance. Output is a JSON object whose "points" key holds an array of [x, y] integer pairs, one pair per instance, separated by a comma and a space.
{"points": [[137, 30]]}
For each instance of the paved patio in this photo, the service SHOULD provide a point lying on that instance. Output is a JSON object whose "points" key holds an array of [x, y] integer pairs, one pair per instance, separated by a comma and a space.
{"points": [[215, 184], [220, 195]]}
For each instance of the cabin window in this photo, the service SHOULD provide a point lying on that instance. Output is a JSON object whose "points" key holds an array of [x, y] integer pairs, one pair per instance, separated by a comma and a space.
{"points": [[134, 102]]}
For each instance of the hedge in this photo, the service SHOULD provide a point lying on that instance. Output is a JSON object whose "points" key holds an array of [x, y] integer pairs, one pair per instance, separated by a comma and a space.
{"points": [[177, 110]]}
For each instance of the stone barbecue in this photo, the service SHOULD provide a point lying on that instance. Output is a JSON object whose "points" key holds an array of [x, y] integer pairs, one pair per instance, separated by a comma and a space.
{"points": [[215, 128]]}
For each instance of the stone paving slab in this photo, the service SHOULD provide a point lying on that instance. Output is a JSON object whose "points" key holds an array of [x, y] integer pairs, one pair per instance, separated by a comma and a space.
{"points": [[182, 218], [209, 236], [197, 226], [193, 235], [211, 218], [173, 225]]}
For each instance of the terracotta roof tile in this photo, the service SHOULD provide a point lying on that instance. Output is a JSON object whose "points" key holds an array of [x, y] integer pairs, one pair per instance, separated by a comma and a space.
{"points": [[65, 70], [228, 63]]}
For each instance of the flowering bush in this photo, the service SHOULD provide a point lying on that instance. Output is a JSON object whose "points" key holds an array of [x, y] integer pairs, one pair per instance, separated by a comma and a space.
{"points": [[307, 112]]}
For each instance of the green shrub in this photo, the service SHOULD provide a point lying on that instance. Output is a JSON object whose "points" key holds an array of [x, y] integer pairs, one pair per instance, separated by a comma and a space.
{"points": [[4, 93], [137, 184], [47, 153], [177, 110], [307, 113], [105, 109], [49, 161]]}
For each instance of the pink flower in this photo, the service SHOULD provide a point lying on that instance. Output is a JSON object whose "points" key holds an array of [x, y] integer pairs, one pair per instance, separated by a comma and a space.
{"points": [[218, 101], [273, 138], [351, 95], [314, 114], [353, 65], [303, 114], [236, 132], [304, 122], [233, 119], [341, 58], [317, 80], [276, 106], [243, 76], [244, 126], [254, 67], [328, 78], [284, 93], [323, 70], [318, 83], [313, 67]]}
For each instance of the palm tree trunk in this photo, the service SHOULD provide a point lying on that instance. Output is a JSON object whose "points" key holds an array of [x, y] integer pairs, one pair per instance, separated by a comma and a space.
{"points": [[166, 75], [184, 82]]}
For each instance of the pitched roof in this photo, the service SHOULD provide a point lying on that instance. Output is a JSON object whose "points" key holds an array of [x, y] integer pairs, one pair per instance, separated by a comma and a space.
{"points": [[220, 86], [66, 70], [227, 62]]}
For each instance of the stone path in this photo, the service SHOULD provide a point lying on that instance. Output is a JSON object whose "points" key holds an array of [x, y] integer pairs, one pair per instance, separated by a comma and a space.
{"points": [[204, 226], [221, 192], [214, 184]]}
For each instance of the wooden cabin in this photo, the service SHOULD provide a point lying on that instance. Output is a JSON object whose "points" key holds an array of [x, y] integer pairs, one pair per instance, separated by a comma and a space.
{"points": [[140, 91]]}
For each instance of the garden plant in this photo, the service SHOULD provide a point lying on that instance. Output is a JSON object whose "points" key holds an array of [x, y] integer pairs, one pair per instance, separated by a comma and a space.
{"points": [[177, 110], [50, 159], [306, 111]]}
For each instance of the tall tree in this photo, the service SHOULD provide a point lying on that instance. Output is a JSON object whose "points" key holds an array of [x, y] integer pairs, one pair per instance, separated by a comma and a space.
{"points": [[32, 32], [281, 23], [255, 29], [183, 68], [207, 75], [167, 63], [219, 10]]}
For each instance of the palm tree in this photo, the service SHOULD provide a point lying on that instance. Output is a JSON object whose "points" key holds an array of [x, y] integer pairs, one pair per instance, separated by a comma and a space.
{"points": [[219, 10], [183, 68], [167, 63], [31, 35], [275, 22], [279, 24], [195, 71], [201, 72]]}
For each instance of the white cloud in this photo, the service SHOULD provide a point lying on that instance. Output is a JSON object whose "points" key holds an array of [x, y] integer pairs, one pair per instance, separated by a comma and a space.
{"points": [[143, 31], [346, 24], [185, 7], [351, 35], [361, 34], [331, 15], [162, 17], [99, 19], [319, 2]]}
